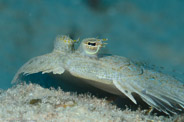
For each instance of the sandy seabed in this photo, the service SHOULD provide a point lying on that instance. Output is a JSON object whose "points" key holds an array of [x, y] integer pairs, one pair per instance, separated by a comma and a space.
{"points": [[33, 103]]}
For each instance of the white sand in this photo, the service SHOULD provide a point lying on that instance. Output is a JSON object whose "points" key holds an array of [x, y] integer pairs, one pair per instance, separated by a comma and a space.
{"points": [[32, 103]]}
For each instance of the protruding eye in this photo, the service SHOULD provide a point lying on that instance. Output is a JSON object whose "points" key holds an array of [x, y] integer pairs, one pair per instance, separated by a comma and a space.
{"points": [[92, 44]]}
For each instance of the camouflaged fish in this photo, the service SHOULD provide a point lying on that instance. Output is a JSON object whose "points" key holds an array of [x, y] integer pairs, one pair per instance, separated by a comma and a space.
{"points": [[114, 74]]}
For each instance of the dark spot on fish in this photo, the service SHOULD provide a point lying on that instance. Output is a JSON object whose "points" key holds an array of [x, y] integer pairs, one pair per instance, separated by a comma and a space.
{"points": [[31, 62]]}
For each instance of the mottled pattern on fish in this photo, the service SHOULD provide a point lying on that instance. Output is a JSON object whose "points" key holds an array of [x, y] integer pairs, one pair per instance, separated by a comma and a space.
{"points": [[114, 74]]}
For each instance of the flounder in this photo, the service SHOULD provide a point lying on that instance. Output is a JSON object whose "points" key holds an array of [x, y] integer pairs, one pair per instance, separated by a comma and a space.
{"points": [[114, 74]]}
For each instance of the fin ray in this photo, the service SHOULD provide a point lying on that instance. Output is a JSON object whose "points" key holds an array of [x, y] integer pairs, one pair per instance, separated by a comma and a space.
{"points": [[46, 63]]}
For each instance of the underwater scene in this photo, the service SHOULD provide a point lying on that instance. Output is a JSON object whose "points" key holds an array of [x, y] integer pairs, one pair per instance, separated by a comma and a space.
{"points": [[92, 60]]}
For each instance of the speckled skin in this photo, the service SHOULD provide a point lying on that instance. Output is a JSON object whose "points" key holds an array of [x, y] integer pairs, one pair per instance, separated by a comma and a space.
{"points": [[114, 74], [51, 62]]}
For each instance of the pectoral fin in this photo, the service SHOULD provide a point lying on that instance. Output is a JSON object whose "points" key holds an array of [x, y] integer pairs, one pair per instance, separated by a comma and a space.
{"points": [[124, 90], [46, 63]]}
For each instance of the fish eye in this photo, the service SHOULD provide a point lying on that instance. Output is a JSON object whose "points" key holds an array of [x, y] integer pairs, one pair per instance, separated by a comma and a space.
{"points": [[92, 44]]}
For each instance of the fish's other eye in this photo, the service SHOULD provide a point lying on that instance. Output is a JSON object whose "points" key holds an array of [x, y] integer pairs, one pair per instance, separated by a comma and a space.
{"points": [[92, 44]]}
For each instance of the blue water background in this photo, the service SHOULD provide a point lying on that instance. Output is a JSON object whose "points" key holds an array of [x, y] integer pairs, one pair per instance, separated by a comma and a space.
{"points": [[150, 30]]}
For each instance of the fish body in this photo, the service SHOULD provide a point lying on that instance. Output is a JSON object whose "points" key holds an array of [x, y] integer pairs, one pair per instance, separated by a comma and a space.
{"points": [[114, 74]]}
